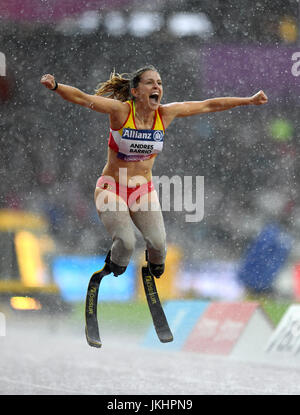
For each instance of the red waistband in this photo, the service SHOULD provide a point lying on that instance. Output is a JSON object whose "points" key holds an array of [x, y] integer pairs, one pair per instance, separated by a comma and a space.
{"points": [[129, 194]]}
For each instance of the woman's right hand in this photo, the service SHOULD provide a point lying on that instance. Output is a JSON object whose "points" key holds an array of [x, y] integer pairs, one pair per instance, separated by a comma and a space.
{"points": [[48, 80]]}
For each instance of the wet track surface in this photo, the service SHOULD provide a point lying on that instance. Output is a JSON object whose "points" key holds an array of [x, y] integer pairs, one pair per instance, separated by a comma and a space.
{"points": [[50, 356]]}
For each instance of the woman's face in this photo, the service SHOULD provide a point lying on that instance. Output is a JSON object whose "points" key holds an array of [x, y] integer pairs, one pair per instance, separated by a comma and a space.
{"points": [[149, 91]]}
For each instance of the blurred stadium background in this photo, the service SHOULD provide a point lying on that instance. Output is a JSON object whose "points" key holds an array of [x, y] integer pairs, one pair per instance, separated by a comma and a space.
{"points": [[52, 152]]}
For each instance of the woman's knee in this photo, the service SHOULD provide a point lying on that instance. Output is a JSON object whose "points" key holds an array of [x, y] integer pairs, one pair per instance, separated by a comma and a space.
{"points": [[157, 247], [122, 250], [125, 242]]}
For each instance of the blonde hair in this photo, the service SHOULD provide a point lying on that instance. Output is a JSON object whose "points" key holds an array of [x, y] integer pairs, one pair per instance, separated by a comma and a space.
{"points": [[118, 86]]}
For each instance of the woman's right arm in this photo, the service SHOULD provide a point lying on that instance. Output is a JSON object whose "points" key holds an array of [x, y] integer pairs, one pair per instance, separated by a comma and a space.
{"points": [[75, 95]]}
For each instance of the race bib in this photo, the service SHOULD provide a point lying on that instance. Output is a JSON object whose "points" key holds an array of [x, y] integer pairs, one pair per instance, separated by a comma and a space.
{"points": [[141, 142]]}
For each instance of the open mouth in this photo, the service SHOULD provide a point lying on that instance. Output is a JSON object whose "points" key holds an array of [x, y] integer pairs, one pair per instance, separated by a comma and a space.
{"points": [[154, 98]]}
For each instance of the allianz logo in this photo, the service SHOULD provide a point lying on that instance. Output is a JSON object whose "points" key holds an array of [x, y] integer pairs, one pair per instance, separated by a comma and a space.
{"points": [[156, 135]]}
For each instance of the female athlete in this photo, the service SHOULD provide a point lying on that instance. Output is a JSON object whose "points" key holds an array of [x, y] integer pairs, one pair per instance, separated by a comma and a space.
{"points": [[124, 192]]}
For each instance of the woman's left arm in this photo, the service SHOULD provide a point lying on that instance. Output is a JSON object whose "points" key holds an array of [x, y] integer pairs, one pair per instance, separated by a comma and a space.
{"points": [[185, 109]]}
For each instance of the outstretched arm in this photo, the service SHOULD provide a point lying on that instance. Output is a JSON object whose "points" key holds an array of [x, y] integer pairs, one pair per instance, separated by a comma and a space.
{"points": [[185, 109], [75, 95]]}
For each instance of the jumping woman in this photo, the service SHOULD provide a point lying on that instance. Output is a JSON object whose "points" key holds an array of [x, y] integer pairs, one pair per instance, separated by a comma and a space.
{"points": [[124, 192]]}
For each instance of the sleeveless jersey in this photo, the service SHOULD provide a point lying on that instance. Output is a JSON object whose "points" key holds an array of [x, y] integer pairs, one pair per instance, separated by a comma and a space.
{"points": [[132, 144]]}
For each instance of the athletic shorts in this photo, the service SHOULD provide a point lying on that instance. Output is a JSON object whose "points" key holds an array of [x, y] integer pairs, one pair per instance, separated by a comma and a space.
{"points": [[129, 194]]}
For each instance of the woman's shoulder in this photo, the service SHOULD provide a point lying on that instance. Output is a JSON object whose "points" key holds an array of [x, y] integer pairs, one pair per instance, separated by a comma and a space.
{"points": [[167, 113], [119, 119]]}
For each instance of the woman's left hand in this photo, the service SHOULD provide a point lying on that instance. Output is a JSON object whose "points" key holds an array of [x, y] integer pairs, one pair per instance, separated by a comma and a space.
{"points": [[259, 98]]}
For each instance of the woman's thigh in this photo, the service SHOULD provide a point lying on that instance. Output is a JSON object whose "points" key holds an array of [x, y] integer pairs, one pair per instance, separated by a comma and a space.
{"points": [[115, 216], [149, 220]]}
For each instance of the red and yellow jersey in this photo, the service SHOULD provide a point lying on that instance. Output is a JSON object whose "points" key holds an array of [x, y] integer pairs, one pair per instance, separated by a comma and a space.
{"points": [[133, 144]]}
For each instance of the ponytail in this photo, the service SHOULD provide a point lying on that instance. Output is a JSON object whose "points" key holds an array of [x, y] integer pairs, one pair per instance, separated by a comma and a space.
{"points": [[117, 87]]}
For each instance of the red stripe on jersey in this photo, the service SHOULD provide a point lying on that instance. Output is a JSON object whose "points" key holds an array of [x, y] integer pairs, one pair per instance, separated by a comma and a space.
{"points": [[112, 144]]}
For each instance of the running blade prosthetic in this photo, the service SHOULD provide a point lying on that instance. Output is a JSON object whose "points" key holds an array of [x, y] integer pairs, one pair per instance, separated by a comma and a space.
{"points": [[91, 321], [158, 316]]}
